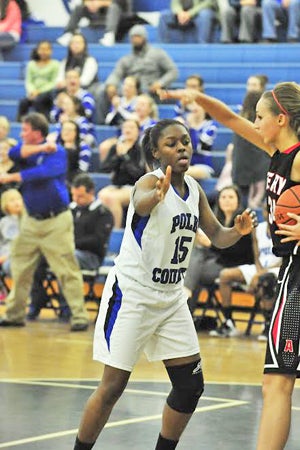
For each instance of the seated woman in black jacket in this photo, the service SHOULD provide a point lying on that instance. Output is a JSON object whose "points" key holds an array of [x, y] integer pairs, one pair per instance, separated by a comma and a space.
{"points": [[207, 261], [126, 162]]}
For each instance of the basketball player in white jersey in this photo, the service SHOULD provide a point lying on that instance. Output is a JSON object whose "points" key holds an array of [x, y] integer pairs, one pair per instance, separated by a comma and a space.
{"points": [[143, 306]]}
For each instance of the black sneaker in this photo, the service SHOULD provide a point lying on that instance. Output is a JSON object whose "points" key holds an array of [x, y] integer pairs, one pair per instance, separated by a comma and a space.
{"points": [[64, 314], [79, 327], [33, 313]]}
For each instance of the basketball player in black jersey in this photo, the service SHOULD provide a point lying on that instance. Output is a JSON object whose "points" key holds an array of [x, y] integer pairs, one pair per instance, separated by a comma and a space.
{"points": [[276, 130]]}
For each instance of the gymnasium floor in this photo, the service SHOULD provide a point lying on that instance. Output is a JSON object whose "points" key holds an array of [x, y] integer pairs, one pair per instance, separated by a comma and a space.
{"points": [[47, 373]]}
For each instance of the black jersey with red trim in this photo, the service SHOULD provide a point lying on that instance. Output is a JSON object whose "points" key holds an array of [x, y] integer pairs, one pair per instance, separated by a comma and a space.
{"points": [[278, 181]]}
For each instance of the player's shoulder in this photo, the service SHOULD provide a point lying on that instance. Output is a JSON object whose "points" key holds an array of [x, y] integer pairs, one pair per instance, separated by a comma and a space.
{"points": [[149, 179]]}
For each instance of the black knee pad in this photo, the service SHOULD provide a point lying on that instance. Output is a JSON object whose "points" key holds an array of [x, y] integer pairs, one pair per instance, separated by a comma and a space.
{"points": [[188, 385]]}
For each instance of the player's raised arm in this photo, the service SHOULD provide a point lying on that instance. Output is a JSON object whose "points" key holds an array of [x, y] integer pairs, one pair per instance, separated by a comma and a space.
{"points": [[220, 112]]}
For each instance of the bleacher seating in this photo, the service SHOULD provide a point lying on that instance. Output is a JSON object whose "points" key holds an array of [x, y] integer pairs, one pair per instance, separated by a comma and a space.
{"points": [[150, 5], [208, 185], [225, 69], [100, 180]]}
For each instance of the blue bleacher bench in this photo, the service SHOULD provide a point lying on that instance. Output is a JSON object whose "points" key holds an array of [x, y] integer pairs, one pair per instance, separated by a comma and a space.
{"points": [[100, 180], [262, 55], [208, 185], [150, 5]]}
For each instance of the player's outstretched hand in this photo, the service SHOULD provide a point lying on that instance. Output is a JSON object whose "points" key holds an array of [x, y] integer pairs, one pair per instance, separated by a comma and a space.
{"points": [[186, 95], [291, 232], [163, 184], [245, 222]]}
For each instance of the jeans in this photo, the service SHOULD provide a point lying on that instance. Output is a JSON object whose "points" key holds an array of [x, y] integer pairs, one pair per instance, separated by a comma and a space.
{"points": [[201, 31], [87, 260], [6, 42], [242, 24], [272, 11]]}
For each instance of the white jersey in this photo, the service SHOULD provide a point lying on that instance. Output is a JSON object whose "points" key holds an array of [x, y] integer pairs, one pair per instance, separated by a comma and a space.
{"points": [[264, 242], [156, 249]]}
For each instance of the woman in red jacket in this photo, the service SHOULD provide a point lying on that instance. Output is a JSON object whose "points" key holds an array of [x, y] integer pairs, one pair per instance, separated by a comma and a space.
{"points": [[10, 25]]}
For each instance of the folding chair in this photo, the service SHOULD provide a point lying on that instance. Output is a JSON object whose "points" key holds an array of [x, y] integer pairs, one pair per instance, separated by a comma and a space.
{"points": [[254, 311], [211, 301], [93, 277]]}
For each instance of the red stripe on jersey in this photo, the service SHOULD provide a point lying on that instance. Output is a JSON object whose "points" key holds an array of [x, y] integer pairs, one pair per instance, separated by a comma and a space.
{"points": [[275, 328], [290, 149]]}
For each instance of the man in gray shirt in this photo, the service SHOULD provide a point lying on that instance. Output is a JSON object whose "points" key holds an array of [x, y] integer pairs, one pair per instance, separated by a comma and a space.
{"points": [[152, 66]]}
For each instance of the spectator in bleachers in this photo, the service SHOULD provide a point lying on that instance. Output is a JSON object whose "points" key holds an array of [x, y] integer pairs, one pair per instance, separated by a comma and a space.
{"points": [[145, 114], [7, 165], [119, 12], [71, 109], [224, 179], [12, 207], [4, 128], [24, 8], [286, 12], [72, 87], [126, 162], [122, 106], [78, 152], [46, 228], [40, 80], [109, 14], [93, 224], [193, 81], [94, 11], [152, 66], [185, 16], [257, 83], [10, 25], [247, 274], [207, 261], [249, 164], [78, 58], [254, 83], [241, 21], [203, 131]]}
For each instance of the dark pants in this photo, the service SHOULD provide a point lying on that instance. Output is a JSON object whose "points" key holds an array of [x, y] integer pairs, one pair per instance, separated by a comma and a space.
{"points": [[41, 104]]}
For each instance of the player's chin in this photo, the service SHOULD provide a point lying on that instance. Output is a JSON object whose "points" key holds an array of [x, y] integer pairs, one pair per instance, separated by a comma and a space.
{"points": [[181, 166]]}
